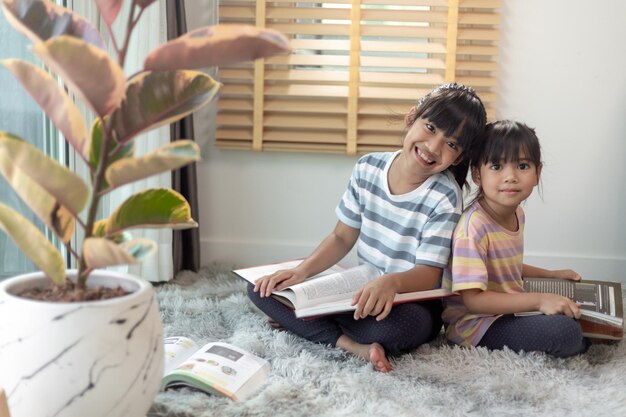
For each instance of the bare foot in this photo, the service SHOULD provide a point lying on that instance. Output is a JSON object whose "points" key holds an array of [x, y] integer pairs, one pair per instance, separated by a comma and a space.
{"points": [[379, 359], [275, 325], [373, 353]]}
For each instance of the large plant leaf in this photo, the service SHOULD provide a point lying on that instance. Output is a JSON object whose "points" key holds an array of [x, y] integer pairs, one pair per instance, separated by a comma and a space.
{"points": [[88, 71], [97, 137], [53, 192], [41, 20], [216, 45], [166, 158], [153, 208], [33, 243], [99, 230], [53, 100], [155, 99], [109, 9], [100, 253]]}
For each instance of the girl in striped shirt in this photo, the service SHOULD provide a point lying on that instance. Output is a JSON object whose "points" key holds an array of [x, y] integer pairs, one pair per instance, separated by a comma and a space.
{"points": [[400, 208], [486, 267]]}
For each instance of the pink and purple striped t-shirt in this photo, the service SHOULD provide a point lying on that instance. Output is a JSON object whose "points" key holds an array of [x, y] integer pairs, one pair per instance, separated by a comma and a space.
{"points": [[485, 256]]}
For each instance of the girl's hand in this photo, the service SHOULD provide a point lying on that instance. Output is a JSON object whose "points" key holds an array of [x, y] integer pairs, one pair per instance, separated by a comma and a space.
{"points": [[374, 299], [557, 304], [566, 274], [278, 281]]}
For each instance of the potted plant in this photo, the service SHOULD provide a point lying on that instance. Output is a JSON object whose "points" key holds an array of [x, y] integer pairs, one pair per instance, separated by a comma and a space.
{"points": [[75, 341]]}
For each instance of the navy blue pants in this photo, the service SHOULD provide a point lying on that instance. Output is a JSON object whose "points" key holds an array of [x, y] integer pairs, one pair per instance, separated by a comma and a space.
{"points": [[406, 327], [557, 335]]}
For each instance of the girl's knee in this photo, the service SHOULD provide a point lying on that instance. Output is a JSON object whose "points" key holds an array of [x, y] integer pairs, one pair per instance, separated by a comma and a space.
{"points": [[567, 337]]}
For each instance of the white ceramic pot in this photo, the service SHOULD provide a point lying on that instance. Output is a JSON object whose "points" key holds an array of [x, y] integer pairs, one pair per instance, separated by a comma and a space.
{"points": [[88, 359]]}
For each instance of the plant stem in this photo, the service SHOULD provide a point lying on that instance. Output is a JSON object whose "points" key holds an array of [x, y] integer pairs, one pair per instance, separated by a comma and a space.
{"points": [[103, 162], [83, 271]]}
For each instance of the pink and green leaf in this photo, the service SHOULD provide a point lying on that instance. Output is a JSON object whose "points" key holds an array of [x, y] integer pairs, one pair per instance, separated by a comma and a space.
{"points": [[33, 243], [154, 99], [109, 9], [95, 147], [217, 45], [89, 72], [153, 208], [100, 253], [52, 191], [41, 20], [53, 100], [166, 158]]}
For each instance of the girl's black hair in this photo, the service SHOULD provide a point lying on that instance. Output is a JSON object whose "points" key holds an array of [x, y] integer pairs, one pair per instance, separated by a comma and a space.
{"points": [[505, 141], [450, 107]]}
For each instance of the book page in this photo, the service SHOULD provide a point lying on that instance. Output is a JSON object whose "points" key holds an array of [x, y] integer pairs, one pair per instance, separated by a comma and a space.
{"points": [[332, 287], [220, 366], [177, 349], [254, 273]]}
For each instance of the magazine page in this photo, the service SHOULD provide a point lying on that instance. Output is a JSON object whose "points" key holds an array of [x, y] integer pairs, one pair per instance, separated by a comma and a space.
{"points": [[220, 367], [339, 286], [177, 350]]}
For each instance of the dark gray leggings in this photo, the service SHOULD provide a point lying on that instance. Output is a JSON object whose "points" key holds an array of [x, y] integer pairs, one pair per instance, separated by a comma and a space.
{"points": [[405, 328], [557, 335]]}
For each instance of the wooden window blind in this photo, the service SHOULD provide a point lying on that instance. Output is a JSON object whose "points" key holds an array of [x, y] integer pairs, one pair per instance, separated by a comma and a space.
{"points": [[355, 68]]}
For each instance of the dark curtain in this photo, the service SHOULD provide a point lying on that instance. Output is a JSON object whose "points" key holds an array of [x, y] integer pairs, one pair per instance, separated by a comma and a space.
{"points": [[186, 243]]}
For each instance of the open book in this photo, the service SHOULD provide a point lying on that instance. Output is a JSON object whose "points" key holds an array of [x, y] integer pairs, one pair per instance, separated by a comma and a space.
{"points": [[601, 310], [331, 291], [216, 368]]}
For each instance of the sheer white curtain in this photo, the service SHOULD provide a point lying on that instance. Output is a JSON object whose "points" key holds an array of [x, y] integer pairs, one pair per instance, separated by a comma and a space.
{"points": [[21, 116], [148, 34]]}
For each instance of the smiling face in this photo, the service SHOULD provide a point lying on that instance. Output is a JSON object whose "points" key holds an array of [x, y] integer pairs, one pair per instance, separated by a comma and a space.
{"points": [[505, 185], [427, 150]]}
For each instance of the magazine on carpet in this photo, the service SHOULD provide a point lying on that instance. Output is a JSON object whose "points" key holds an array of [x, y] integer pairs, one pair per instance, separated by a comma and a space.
{"points": [[331, 291], [601, 309], [215, 368]]}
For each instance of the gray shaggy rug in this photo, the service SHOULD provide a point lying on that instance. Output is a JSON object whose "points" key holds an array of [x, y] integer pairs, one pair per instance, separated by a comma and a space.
{"points": [[435, 380]]}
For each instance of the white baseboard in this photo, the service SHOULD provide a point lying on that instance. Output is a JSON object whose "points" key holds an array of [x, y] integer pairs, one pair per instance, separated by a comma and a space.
{"points": [[244, 253]]}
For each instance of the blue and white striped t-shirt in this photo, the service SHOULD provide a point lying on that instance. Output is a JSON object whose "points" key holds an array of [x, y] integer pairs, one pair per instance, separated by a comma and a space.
{"points": [[398, 232]]}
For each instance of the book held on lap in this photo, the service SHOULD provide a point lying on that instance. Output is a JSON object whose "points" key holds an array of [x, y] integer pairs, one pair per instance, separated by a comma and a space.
{"points": [[331, 291], [600, 302], [215, 368]]}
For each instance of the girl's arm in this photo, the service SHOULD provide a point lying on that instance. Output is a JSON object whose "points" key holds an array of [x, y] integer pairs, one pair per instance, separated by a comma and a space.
{"points": [[330, 251], [376, 297], [533, 271], [492, 302]]}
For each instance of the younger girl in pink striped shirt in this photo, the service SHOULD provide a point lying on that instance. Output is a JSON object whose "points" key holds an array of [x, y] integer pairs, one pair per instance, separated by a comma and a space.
{"points": [[486, 267]]}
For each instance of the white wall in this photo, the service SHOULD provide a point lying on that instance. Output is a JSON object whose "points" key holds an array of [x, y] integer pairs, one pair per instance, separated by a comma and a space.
{"points": [[560, 72]]}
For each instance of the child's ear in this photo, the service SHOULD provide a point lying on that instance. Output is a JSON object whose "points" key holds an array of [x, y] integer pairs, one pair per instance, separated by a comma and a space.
{"points": [[539, 173], [408, 119], [476, 176]]}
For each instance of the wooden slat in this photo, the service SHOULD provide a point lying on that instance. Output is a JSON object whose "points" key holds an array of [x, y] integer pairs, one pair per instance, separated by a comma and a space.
{"points": [[306, 106], [259, 82], [317, 13], [323, 76], [476, 66], [320, 44], [303, 90], [310, 29], [478, 34], [403, 31], [353, 86], [310, 59], [453, 21], [307, 121], [479, 18], [400, 78], [404, 47], [413, 16]]}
